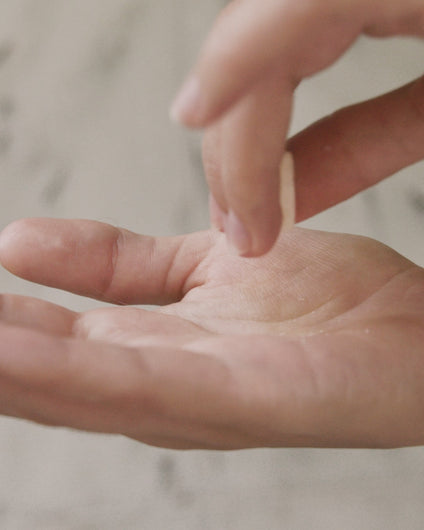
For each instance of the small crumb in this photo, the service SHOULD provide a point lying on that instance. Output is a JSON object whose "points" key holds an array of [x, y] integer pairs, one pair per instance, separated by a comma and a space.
{"points": [[287, 192]]}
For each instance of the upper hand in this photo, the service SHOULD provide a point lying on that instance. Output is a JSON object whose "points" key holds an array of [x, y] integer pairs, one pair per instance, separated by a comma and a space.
{"points": [[319, 343], [242, 91]]}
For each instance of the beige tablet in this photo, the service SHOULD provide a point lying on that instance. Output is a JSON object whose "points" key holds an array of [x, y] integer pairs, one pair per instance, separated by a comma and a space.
{"points": [[287, 191]]}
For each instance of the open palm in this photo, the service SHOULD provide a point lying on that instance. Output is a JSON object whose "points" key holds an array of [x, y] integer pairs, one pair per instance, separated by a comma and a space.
{"points": [[318, 343]]}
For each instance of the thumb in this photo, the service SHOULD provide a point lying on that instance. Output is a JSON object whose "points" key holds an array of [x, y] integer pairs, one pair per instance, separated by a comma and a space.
{"points": [[101, 261]]}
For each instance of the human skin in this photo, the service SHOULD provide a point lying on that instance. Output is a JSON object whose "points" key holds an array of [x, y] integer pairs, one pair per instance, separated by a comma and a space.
{"points": [[241, 91], [319, 343]]}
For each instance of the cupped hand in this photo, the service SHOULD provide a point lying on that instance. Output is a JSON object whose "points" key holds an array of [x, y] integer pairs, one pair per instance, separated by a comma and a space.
{"points": [[242, 91], [318, 343]]}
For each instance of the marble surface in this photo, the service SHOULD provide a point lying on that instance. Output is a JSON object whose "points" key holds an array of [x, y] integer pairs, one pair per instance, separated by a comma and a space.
{"points": [[84, 132]]}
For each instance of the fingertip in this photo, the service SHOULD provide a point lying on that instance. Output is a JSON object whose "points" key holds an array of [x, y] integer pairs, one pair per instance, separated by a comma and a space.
{"points": [[188, 107], [277, 217], [4, 241], [9, 237], [203, 99], [257, 238], [267, 233], [238, 236]]}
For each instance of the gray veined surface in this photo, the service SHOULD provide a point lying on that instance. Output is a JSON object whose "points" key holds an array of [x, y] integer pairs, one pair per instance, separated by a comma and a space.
{"points": [[84, 132]]}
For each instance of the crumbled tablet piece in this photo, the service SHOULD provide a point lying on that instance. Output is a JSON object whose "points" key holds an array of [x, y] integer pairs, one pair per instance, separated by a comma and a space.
{"points": [[287, 191]]}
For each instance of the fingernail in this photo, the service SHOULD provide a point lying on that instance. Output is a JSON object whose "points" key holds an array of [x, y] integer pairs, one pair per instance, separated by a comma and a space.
{"points": [[186, 106], [287, 192], [237, 234]]}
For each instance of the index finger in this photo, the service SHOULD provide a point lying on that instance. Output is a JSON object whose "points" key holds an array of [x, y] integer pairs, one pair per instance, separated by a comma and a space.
{"points": [[252, 38]]}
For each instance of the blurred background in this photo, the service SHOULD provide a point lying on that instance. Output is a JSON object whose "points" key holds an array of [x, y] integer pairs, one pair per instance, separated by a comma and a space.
{"points": [[85, 87]]}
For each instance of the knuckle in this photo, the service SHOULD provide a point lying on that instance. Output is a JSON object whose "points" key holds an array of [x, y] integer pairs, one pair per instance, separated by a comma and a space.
{"points": [[112, 256]]}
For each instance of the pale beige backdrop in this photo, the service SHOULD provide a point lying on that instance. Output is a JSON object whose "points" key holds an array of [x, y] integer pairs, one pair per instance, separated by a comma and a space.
{"points": [[84, 132]]}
